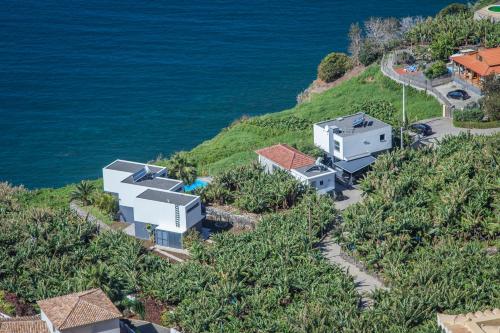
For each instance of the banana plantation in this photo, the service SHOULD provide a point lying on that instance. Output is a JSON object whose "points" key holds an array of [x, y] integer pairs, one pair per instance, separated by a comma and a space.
{"points": [[428, 224]]}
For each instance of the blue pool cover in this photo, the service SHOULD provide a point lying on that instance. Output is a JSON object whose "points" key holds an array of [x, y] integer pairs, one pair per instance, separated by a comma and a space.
{"points": [[197, 184]]}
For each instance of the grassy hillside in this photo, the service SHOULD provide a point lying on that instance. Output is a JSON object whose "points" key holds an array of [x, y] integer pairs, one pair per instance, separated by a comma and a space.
{"points": [[235, 144]]}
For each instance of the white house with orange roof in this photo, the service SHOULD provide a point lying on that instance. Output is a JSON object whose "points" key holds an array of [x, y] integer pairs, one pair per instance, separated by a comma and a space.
{"points": [[472, 67], [89, 311], [301, 166]]}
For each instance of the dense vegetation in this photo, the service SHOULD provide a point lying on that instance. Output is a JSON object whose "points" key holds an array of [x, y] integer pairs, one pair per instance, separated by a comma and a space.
{"points": [[440, 37], [334, 66], [251, 189], [430, 225], [46, 252], [235, 145]]}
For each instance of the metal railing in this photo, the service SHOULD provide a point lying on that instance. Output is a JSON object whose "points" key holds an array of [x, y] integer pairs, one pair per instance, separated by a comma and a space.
{"points": [[417, 82]]}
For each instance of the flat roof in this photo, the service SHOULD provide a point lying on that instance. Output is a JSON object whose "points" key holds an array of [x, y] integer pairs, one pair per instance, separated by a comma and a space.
{"points": [[160, 183], [180, 199], [132, 167], [345, 124], [314, 170], [354, 166]]}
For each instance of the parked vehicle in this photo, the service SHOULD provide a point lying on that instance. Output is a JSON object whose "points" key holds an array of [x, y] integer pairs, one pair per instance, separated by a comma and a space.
{"points": [[422, 129], [458, 94]]}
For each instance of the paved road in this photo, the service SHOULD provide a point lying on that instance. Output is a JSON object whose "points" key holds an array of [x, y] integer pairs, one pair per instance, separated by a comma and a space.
{"points": [[365, 283], [147, 327], [444, 126]]}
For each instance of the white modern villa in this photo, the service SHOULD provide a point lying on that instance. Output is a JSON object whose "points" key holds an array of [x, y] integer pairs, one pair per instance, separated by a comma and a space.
{"points": [[154, 203], [89, 311], [353, 141], [301, 166]]}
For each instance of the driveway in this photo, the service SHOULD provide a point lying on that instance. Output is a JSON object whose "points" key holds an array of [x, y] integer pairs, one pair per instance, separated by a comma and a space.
{"points": [[444, 126], [459, 104], [352, 195]]}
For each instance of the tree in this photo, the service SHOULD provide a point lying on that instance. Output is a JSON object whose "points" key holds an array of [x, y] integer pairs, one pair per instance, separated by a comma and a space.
{"points": [[453, 9], [334, 66], [369, 52], [491, 100], [181, 167], [435, 70], [356, 39], [83, 192]]}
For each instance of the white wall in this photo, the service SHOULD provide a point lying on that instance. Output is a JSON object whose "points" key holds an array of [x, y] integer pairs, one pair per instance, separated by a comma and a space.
{"points": [[323, 138], [108, 326], [112, 179], [163, 214], [269, 166], [328, 180], [363, 144]]}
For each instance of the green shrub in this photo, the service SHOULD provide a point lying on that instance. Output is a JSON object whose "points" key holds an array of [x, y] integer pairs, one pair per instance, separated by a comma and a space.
{"points": [[334, 66], [453, 9], [370, 52], [251, 189], [436, 70], [380, 109], [106, 203], [5, 306], [286, 123], [468, 115]]}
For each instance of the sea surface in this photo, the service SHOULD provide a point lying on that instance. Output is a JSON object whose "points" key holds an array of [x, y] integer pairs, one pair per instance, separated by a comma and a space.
{"points": [[85, 82]]}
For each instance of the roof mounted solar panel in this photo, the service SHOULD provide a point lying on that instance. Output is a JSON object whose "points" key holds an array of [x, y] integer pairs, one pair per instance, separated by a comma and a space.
{"points": [[358, 121]]}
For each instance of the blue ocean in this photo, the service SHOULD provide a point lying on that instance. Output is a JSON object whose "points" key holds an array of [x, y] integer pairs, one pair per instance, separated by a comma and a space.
{"points": [[85, 82]]}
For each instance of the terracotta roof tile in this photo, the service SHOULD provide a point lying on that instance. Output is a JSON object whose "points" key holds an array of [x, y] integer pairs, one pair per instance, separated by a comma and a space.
{"points": [[79, 309], [31, 324], [489, 63], [475, 322], [286, 156]]}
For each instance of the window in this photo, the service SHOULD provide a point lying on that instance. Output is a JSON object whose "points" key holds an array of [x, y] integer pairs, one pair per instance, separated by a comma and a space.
{"points": [[177, 217], [382, 137], [336, 145], [321, 183], [275, 167]]}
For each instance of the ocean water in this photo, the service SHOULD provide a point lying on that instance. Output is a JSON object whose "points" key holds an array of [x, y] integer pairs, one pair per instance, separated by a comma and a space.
{"points": [[85, 82]]}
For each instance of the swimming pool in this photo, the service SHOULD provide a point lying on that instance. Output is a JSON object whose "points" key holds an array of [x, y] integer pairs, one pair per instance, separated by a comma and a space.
{"points": [[494, 8], [198, 183]]}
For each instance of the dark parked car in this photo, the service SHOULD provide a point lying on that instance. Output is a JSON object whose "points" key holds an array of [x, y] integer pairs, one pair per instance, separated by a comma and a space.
{"points": [[422, 129], [458, 94]]}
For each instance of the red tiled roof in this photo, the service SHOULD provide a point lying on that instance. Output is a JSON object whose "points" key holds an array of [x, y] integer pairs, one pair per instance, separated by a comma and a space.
{"points": [[286, 156], [31, 324], [483, 62], [79, 309]]}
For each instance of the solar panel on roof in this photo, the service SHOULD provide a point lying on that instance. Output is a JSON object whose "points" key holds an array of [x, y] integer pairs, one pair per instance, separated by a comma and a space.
{"points": [[358, 121]]}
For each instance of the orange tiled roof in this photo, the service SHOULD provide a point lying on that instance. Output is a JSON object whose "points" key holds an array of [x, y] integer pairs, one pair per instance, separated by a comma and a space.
{"points": [[31, 324], [286, 156], [79, 309], [483, 62]]}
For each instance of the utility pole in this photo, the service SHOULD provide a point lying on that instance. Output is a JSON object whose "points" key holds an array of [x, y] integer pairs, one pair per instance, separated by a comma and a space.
{"points": [[404, 113]]}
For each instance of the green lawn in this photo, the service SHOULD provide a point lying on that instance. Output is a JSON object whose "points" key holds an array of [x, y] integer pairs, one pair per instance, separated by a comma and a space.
{"points": [[235, 144]]}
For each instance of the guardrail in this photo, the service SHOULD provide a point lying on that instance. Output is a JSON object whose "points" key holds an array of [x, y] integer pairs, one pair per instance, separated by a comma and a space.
{"points": [[387, 67]]}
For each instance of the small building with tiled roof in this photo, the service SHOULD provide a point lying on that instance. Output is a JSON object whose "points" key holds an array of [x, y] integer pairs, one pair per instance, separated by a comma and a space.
{"points": [[475, 322], [301, 166], [31, 324], [88, 311], [473, 66]]}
